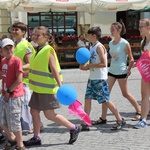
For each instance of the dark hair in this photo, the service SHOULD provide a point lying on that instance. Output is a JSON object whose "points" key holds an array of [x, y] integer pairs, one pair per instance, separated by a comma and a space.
{"points": [[20, 25], [81, 35], [120, 26], [96, 31], [146, 21]]}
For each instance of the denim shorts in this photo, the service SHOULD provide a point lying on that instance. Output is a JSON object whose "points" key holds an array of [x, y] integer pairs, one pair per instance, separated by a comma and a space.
{"points": [[10, 113], [97, 90]]}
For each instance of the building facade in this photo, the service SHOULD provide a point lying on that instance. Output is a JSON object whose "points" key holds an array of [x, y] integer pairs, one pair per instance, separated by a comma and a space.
{"points": [[82, 21]]}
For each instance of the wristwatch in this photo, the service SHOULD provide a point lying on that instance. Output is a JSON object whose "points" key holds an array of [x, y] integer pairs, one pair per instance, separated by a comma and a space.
{"points": [[8, 91]]}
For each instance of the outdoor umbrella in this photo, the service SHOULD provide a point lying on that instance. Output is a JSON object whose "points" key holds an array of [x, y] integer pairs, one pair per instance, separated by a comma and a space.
{"points": [[90, 6]]}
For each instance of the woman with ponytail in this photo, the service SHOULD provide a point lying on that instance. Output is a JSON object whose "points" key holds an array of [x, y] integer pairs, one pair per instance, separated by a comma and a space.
{"points": [[119, 71]]}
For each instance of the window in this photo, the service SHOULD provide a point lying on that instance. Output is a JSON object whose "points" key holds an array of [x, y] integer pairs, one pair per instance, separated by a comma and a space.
{"points": [[59, 23]]}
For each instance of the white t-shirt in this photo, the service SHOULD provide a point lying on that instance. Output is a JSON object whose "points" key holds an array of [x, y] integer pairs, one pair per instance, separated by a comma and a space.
{"points": [[33, 44], [81, 43], [97, 73]]}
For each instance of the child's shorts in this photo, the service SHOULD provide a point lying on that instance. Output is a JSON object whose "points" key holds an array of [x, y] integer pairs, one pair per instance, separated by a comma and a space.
{"points": [[43, 102], [97, 90], [10, 113]]}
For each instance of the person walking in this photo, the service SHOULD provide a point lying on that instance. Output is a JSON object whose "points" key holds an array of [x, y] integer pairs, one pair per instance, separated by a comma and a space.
{"points": [[24, 50], [119, 71], [44, 80], [144, 28], [12, 96], [2, 137], [97, 87]]}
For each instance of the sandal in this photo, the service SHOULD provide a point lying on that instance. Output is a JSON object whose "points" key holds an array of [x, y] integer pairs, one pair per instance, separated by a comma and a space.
{"points": [[137, 117], [9, 144], [19, 148], [2, 138], [30, 132], [99, 121]]}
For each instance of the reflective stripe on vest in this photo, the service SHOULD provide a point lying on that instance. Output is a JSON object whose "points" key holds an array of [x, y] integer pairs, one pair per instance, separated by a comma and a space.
{"points": [[43, 73]]}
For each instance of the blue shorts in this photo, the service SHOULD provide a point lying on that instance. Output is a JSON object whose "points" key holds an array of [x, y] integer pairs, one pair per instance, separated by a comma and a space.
{"points": [[97, 90]]}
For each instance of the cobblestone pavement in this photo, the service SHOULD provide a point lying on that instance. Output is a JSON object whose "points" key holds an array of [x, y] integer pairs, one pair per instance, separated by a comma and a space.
{"points": [[99, 137]]}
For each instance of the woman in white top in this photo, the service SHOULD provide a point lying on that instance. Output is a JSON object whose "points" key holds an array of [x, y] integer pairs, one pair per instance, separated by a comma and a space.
{"points": [[144, 27]]}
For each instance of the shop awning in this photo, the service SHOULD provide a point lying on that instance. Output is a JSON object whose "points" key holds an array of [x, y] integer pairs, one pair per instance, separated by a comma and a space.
{"points": [[145, 9]]}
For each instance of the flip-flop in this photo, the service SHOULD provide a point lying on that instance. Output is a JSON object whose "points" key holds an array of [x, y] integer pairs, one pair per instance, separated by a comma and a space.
{"points": [[99, 121]]}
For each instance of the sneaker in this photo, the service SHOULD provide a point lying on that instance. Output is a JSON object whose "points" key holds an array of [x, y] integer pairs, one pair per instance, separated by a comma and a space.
{"points": [[19, 148], [85, 127], [32, 141], [2, 138], [74, 134], [140, 124], [9, 144], [119, 125]]}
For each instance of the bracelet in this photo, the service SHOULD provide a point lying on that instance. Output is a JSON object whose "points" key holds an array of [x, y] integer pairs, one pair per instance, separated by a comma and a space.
{"points": [[8, 91]]}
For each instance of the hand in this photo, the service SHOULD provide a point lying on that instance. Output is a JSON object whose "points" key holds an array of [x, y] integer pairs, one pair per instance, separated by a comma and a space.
{"points": [[128, 73], [84, 67], [6, 97], [134, 65]]}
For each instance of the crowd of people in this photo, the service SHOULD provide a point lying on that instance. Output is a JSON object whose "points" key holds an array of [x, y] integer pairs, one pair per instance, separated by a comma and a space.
{"points": [[29, 86]]}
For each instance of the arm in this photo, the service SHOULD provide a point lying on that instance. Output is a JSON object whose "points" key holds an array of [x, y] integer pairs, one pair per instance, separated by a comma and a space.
{"points": [[17, 81], [52, 64], [14, 85], [131, 59], [0, 74], [27, 61], [101, 51]]}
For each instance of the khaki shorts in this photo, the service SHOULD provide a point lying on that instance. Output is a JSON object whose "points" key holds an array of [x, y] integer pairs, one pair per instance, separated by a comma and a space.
{"points": [[10, 113]]}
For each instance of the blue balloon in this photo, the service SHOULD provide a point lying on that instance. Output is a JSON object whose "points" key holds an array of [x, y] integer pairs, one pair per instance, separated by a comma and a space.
{"points": [[82, 55], [66, 94]]}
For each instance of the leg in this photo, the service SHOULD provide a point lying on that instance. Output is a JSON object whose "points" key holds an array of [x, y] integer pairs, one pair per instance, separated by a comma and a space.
{"points": [[18, 135], [120, 121], [10, 135], [114, 110], [26, 118], [61, 120], [87, 106], [57, 118], [124, 89], [145, 92], [36, 121], [87, 109], [111, 82], [35, 140]]}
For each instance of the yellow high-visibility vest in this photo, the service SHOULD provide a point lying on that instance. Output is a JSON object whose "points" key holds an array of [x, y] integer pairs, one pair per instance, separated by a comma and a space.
{"points": [[20, 51], [41, 79]]}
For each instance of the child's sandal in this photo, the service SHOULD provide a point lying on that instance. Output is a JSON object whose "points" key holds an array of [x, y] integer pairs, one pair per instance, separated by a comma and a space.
{"points": [[99, 121], [19, 148], [137, 117]]}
